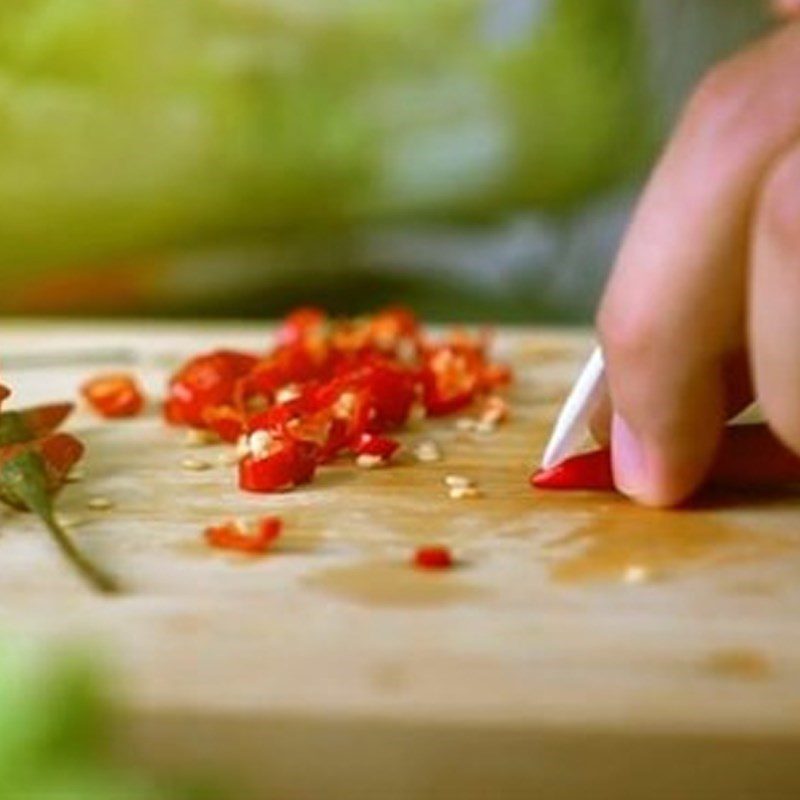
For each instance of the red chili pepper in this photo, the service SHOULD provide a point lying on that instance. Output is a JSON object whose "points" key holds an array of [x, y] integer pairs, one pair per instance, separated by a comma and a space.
{"points": [[433, 557], [351, 407], [451, 378], [393, 392], [289, 463], [300, 324], [114, 395], [207, 381], [230, 536], [347, 378], [749, 455], [391, 327], [496, 376], [59, 452], [286, 366], [227, 422], [591, 471], [371, 444]]}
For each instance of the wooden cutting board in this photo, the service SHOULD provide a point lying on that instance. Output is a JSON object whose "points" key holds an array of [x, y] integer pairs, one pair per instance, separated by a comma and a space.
{"points": [[583, 648]]}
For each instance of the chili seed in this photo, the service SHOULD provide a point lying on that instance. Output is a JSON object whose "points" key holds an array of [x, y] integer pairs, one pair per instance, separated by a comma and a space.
{"points": [[70, 520], [345, 405], [242, 447], [287, 394], [428, 452], [636, 573], [367, 461], [458, 481], [464, 492], [195, 465], [99, 504], [259, 443]]}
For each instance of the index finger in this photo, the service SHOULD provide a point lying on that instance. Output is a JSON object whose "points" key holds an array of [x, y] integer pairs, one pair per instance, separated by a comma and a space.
{"points": [[672, 318]]}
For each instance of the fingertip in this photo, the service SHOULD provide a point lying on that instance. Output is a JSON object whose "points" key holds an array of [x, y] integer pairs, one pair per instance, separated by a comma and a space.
{"points": [[654, 474]]}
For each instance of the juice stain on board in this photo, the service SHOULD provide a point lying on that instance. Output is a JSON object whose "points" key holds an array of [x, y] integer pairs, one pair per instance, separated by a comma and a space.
{"points": [[612, 547], [377, 583]]}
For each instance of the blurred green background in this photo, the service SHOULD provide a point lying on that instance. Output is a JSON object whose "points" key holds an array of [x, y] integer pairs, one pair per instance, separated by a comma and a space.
{"points": [[474, 158]]}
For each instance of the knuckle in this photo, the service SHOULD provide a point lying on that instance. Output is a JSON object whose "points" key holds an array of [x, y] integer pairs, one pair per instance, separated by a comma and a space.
{"points": [[724, 88], [627, 335], [724, 109], [779, 208]]}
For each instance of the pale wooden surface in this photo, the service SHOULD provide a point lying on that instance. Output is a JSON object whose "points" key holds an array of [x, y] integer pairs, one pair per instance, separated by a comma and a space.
{"points": [[329, 669]]}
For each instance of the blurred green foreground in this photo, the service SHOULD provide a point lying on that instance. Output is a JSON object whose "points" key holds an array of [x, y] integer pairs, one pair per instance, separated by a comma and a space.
{"points": [[56, 731]]}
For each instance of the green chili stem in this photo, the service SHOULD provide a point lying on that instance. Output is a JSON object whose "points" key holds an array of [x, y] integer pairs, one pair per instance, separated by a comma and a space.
{"points": [[23, 484], [93, 574]]}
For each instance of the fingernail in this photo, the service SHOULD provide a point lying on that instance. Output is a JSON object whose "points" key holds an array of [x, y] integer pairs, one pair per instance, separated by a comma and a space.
{"points": [[629, 459]]}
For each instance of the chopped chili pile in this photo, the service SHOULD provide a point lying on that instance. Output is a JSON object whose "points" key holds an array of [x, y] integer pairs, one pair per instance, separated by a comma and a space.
{"points": [[329, 387], [114, 396], [235, 536], [433, 557]]}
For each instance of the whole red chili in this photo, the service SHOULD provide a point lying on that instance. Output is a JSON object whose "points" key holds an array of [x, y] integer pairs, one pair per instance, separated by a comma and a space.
{"points": [[114, 395], [590, 471], [749, 455], [433, 557]]}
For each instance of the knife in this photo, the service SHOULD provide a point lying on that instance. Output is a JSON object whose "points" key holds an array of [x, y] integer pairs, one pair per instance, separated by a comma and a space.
{"points": [[572, 424]]}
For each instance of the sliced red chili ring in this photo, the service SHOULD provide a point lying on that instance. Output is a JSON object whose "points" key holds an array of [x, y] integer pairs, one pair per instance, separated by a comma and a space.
{"points": [[206, 381], [451, 379], [371, 444], [289, 463], [230, 536], [114, 395], [226, 421], [300, 324]]}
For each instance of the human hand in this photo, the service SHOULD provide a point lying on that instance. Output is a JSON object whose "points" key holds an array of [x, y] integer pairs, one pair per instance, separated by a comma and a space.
{"points": [[705, 292], [786, 9]]}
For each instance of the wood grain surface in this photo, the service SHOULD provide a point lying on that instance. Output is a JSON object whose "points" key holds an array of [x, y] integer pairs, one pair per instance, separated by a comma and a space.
{"points": [[582, 648]]}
